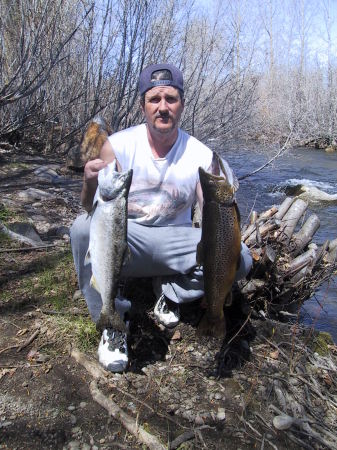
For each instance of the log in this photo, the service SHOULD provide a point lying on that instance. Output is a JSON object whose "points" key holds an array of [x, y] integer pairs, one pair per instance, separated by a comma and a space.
{"points": [[283, 208], [291, 218], [299, 277], [97, 372], [262, 218], [305, 234], [127, 421], [307, 258], [253, 217], [332, 244], [321, 251], [267, 214], [262, 231]]}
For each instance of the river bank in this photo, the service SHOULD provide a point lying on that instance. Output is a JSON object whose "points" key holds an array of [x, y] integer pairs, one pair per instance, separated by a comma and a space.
{"points": [[177, 384]]}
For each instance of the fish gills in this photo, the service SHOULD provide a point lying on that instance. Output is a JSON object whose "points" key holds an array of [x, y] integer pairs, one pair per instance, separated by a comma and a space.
{"points": [[108, 244], [219, 248]]}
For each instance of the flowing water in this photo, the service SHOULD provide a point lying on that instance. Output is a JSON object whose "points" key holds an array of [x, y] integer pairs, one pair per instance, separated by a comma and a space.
{"points": [[266, 188]]}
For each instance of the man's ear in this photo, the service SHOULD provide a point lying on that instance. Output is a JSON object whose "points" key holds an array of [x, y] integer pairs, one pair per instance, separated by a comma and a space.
{"points": [[141, 105]]}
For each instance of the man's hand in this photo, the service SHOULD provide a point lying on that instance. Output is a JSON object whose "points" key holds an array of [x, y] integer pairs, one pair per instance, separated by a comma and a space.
{"points": [[90, 182], [92, 168]]}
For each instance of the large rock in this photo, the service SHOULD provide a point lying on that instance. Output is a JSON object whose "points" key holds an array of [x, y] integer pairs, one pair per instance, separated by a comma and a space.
{"points": [[25, 229], [74, 160], [31, 195], [47, 173]]}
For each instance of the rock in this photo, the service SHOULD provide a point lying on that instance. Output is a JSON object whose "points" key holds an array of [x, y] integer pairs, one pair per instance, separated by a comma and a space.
{"points": [[83, 404], [331, 148], [217, 396], [59, 231], [73, 419], [42, 357], [199, 420], [71, 408], [48, 174], [5, 424], [76, 430], [74, 445], [221, 415], [283, 422], [32, 194], [25, 229], [313, 195], [74, 159]]}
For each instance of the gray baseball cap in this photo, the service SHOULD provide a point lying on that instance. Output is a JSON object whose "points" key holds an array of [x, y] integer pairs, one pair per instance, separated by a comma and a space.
{"points": [[147, 80]]}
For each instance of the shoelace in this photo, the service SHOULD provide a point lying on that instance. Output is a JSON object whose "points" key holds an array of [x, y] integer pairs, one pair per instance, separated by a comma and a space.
{"points": [[116, 340]]}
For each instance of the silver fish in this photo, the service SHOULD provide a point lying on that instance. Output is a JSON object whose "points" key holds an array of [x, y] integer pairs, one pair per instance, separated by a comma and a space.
{"points": [[108, 241]]}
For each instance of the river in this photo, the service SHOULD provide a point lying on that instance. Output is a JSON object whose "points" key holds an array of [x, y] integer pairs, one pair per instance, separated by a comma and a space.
{"points": [[298, 166]]}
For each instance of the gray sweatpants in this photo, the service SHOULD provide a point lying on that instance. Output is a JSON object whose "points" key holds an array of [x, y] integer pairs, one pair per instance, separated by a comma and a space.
{"points": [[167, 254]]}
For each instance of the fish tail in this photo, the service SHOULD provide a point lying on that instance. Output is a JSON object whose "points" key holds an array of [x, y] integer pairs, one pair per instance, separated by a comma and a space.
{"points": [[214, 328], [112, 321]]}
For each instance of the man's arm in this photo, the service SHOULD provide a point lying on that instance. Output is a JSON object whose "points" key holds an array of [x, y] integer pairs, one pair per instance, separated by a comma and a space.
{"points": [[91, 170]]}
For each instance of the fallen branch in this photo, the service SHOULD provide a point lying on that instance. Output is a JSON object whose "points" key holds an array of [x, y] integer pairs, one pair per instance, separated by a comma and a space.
{"points": [[29, 249], [278, 154], [127, 421], [28, 341], [97, 372], [188, 435], [24, 345]]}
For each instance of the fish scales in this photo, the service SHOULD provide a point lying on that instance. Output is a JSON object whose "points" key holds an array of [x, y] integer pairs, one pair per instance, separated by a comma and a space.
{"points": [[108, 243], [219, 248]]}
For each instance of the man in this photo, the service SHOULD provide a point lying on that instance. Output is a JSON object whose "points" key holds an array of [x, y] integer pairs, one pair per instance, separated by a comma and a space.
{"points": [[165, 162]]}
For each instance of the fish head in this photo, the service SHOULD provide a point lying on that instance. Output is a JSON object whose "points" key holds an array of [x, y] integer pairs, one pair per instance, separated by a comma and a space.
{"points": [[221, 184], [215, 187], [113, 183]]}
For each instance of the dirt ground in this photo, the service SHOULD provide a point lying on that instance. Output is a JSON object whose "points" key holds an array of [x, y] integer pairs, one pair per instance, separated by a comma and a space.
{"points": [[215, 394]]}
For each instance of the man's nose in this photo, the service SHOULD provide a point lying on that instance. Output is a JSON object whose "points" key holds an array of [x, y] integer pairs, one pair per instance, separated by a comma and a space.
{"points": [[163, 106]]}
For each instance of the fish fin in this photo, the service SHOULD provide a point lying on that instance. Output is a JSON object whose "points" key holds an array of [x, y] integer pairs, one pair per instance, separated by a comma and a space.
{"points": [[87, 259], [199, 254], [237, 211], [229, 299], [212, 328], [93, 284], [127, 255], [112, 320]]}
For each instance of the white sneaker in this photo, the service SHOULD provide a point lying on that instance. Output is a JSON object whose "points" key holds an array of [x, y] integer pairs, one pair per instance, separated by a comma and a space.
{"points": [[167, 312], [113, 350]]}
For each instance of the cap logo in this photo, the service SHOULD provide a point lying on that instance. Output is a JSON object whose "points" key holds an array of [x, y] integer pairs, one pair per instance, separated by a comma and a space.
{"points": [[161, 82]]}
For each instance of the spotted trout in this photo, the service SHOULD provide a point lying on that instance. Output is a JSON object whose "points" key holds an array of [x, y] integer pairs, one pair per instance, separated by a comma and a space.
{"points": [[219, 249], [108, 241]]}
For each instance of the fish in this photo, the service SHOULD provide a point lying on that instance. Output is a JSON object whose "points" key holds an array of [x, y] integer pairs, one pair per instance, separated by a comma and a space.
{"points": [[93, 139], [108, 247], [219, 248]]}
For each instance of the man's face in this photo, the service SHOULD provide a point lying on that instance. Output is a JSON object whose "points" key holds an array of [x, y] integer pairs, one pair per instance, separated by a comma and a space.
{"points": [[162, 108]]}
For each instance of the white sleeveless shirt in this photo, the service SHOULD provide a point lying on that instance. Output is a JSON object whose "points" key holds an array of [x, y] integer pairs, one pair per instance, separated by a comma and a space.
{"points": [[163, 189]]}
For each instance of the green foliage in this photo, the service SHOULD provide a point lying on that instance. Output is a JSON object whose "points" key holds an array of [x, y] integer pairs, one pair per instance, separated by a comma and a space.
{"points": [[321, 343], [81, 329], [51, 282], [5, 213]]}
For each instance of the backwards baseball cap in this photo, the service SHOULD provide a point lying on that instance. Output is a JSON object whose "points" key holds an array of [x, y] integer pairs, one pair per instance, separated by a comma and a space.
{"points": [[148, 79]]}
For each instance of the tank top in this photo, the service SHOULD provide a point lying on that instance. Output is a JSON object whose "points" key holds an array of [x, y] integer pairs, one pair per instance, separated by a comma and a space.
{"points": [[162, 189]]}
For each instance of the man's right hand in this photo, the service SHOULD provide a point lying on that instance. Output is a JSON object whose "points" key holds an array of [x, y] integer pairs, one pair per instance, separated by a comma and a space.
{"points": [[90, 181], [92, 168]]}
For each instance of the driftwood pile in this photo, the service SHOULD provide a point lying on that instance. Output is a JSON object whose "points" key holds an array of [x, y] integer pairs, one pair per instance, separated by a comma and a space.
{"points": [[288, 266]]}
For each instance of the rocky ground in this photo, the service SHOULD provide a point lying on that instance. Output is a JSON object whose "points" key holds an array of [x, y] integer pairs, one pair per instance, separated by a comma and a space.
{"points": [[270, 385]]}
